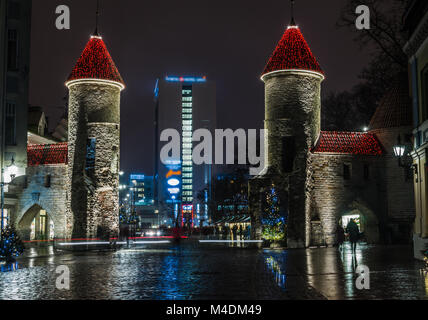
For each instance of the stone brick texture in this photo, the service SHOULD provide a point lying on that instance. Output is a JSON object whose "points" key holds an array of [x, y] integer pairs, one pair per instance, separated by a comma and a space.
{"points": [[94, 112], [35, 195], [316, 194]]}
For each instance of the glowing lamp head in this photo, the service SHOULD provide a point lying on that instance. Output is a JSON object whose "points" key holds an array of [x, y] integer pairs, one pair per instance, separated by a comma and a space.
{"points": [[399, 151], [11, 171]]}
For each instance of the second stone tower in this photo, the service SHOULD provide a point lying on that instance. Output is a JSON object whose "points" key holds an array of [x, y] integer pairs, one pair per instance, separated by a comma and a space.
{"points": [[292, 80]]}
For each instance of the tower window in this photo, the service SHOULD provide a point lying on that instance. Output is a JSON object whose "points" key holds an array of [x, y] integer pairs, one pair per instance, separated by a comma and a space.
{"points": [[288, 153], [347, 172], [366, 172], [90, 157], [48, 181]]}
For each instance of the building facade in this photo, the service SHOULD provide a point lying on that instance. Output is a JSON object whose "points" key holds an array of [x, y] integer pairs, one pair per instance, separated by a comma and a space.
{"points": [[416, 23], [323, 179], [15, 22], [185, 104]]}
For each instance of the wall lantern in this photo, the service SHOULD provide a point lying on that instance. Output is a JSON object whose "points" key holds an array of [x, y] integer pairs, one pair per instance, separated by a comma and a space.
{"points": [[400, 153]]}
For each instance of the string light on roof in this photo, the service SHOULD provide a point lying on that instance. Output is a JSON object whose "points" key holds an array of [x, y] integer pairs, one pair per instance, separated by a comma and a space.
{"points": [[293, 52], [96, 63], [356, 143], [48, 154]]}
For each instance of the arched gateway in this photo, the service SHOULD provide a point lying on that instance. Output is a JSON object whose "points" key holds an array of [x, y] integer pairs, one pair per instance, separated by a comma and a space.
{"points": [[40, 213]]}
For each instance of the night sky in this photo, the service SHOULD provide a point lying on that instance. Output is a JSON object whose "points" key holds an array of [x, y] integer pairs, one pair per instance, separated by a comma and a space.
{"points": [[228, 41]]}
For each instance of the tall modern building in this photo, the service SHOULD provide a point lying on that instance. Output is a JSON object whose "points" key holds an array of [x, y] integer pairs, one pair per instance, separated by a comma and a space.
{"points": [[15, 21], [182, 189], [141, 187]]}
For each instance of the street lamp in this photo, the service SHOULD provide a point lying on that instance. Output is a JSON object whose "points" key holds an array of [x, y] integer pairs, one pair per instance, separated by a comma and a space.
{"points": [[400, 153]]}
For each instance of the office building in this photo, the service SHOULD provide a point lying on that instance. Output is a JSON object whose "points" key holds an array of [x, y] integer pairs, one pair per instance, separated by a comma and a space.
{"points": [[182, 189]]}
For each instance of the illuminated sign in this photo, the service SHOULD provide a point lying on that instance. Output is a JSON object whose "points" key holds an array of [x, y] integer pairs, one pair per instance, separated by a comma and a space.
{"points": [[137, 177], [186, 79], [188, 207], [174, 190], [173, 173], [173, 182]]}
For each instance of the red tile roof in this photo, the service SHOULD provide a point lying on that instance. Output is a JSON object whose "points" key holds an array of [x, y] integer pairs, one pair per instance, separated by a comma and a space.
{"points": [[357, 143], [39, 155], [395, 108], [95, 63], [292, 52]]}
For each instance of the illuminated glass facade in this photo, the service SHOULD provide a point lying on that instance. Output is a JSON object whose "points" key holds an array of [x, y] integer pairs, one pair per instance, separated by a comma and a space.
{"points": [[187, 144], [184, 104]]}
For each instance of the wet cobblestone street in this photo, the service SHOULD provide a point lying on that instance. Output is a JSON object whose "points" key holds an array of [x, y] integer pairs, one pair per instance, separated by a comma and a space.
{"points": [[192, 271]]}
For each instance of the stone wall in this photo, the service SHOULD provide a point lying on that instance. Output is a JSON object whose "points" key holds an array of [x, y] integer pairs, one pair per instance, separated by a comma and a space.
{"points": [[334, 196], [36, 196], [293, 108], [384, 198], [94, 113], [399, 185]]}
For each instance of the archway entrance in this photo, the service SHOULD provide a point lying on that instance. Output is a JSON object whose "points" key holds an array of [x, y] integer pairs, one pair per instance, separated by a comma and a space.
{"points": [[36, 225], [366, 220], [356, 217]]}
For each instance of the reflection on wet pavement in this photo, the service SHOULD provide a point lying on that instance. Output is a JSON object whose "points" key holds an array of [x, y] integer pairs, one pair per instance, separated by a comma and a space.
{"points": [[212, 272]]}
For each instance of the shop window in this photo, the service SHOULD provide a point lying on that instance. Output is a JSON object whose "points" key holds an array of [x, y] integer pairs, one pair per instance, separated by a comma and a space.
{"points": [[5, 217]]}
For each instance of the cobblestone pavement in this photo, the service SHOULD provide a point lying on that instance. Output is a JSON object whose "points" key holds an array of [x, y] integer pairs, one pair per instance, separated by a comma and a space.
{"points": [[192, 271]]}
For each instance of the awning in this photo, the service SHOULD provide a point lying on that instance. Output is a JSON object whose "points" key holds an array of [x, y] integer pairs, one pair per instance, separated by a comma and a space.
{"points": [[234, 219]]}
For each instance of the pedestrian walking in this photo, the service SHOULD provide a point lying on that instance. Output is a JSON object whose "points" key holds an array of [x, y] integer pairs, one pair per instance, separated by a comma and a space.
{"points": [[354, 233], [340, 236], [234, 232]]}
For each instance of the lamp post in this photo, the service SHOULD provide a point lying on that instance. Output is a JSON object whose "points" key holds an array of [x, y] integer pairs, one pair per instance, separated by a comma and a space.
{"points": [[12, 170]]}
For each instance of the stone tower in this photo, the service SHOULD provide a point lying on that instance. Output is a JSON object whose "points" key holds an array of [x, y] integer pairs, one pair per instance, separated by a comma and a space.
{"points": [[94, 144], [292, 80]]}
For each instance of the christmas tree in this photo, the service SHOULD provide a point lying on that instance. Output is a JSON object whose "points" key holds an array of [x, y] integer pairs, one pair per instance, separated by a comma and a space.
{"points": [[273, 222], [11, 245]]}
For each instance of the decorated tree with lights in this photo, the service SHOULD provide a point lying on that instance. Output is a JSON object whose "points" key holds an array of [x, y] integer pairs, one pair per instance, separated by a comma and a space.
{"points": [[274, 227], [11, 245]]}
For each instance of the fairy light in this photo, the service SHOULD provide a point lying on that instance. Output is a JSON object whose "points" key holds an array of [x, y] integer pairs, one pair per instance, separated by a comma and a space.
{"points": [[96, 64], [293, 52], [47, 154], [357, 143]]}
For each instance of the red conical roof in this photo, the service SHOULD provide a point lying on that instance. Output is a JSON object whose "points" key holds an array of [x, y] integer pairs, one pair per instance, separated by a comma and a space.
{"points": [[96, 63], [292, 52]]}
